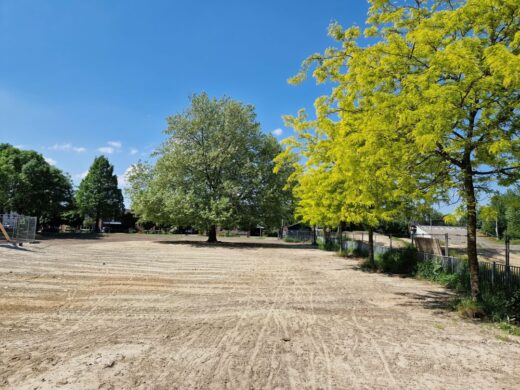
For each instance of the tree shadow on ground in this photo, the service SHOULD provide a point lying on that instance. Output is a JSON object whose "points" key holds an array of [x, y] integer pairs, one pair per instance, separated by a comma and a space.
{"points": [[439, 301], [13, 247], [69, 236], [433, 300], [238, 245]]}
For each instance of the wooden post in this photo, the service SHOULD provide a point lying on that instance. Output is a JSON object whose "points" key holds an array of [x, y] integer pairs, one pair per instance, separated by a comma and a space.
{"points": [[4, 233], [446, 247], [390, 237]]}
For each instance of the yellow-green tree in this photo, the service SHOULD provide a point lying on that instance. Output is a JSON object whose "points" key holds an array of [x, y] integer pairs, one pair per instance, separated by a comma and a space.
{"points": [[432, 105]]}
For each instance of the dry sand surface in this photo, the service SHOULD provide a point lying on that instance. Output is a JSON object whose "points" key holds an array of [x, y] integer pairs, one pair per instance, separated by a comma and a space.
{"points": [[132, 312]]}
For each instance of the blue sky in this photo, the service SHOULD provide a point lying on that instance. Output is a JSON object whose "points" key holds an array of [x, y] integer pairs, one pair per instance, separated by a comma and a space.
{"points": [[83, 78]]}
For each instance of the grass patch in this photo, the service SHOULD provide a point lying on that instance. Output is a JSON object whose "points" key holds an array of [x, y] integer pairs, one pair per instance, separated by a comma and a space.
{"points": [[467, 308], [510, 329], [291, 239]]}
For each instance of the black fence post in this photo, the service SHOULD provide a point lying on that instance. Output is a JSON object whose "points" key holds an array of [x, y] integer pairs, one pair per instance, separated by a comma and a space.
{"points": [[508, 269], [493, 271]]}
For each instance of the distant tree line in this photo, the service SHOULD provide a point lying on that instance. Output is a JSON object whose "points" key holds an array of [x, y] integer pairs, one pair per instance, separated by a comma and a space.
{"points": [[30, 185], [502, 215]]}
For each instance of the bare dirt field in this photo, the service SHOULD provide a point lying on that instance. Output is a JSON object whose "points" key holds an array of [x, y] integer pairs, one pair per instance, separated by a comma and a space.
{"points": [[134, 312]]}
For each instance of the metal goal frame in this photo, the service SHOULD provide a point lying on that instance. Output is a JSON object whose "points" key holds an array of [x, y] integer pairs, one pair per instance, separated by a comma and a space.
{"points": [[17, 229]]}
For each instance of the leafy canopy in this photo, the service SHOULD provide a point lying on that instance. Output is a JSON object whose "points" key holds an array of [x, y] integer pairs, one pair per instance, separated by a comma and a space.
{"points": [[98, 195], [215, 169], [431, 107], [30, 185]]}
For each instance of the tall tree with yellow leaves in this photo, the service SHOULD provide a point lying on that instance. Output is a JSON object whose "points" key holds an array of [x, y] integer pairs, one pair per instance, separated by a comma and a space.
{"points": [[430, 108]]}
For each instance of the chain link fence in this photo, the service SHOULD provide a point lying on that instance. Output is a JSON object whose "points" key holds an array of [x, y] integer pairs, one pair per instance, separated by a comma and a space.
{"points": [[18, 229]]}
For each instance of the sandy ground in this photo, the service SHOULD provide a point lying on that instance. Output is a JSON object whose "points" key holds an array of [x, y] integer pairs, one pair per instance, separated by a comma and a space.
{"points": [[113, 313]]}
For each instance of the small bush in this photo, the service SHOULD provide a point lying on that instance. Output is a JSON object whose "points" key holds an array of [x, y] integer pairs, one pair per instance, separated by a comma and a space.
{"points": [[328, 246], [358, 252], [432, 270], [468, 308], [513, 306], [496, 306], [397, 261]]}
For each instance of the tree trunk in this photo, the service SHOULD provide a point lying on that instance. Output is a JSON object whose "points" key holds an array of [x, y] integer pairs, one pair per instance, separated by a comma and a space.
{"points": [[496, 228], [471, 210], [212, 234], [371, 246], [96, 227], [340, 236]]}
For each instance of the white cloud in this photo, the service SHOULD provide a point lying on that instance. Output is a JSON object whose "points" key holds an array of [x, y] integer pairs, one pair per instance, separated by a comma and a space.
{"points": [[122, 180], [68, 148], [134, 151], [80, 176], [106, 149], [115, 144], [50, 161], [277, 132]]}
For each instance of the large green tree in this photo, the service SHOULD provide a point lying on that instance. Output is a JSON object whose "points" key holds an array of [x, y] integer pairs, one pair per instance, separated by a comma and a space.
{"points": [[215, 169], [438, 92], [30, 185], [98, 195]]}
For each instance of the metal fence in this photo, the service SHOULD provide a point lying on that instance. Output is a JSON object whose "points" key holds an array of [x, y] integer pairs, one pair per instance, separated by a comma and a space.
{"points": [[19, 228], [493, 276], [298, 235]]}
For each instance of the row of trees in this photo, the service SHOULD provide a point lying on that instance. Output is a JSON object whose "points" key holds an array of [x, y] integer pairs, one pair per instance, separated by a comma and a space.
{"points": [[502, 215], [428, 111], [30, 185]]}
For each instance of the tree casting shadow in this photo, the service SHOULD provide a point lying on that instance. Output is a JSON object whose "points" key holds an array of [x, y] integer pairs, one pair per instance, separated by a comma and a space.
{"points": [[238, 245], [69, 236]]}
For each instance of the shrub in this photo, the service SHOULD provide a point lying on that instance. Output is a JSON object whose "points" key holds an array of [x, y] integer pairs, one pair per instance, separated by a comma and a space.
{"points": [[432, 270], [328, 246], [397, 261], [467, 308]]}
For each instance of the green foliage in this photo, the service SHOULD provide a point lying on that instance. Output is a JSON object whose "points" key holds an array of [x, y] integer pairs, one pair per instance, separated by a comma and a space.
{"points": [[468, 308], [513, 221], [328, 246], [215, 169], [98, 195], [397, 261], [494, 305], [432, 270], [428, 109], [29, 185], [502, 215]]}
